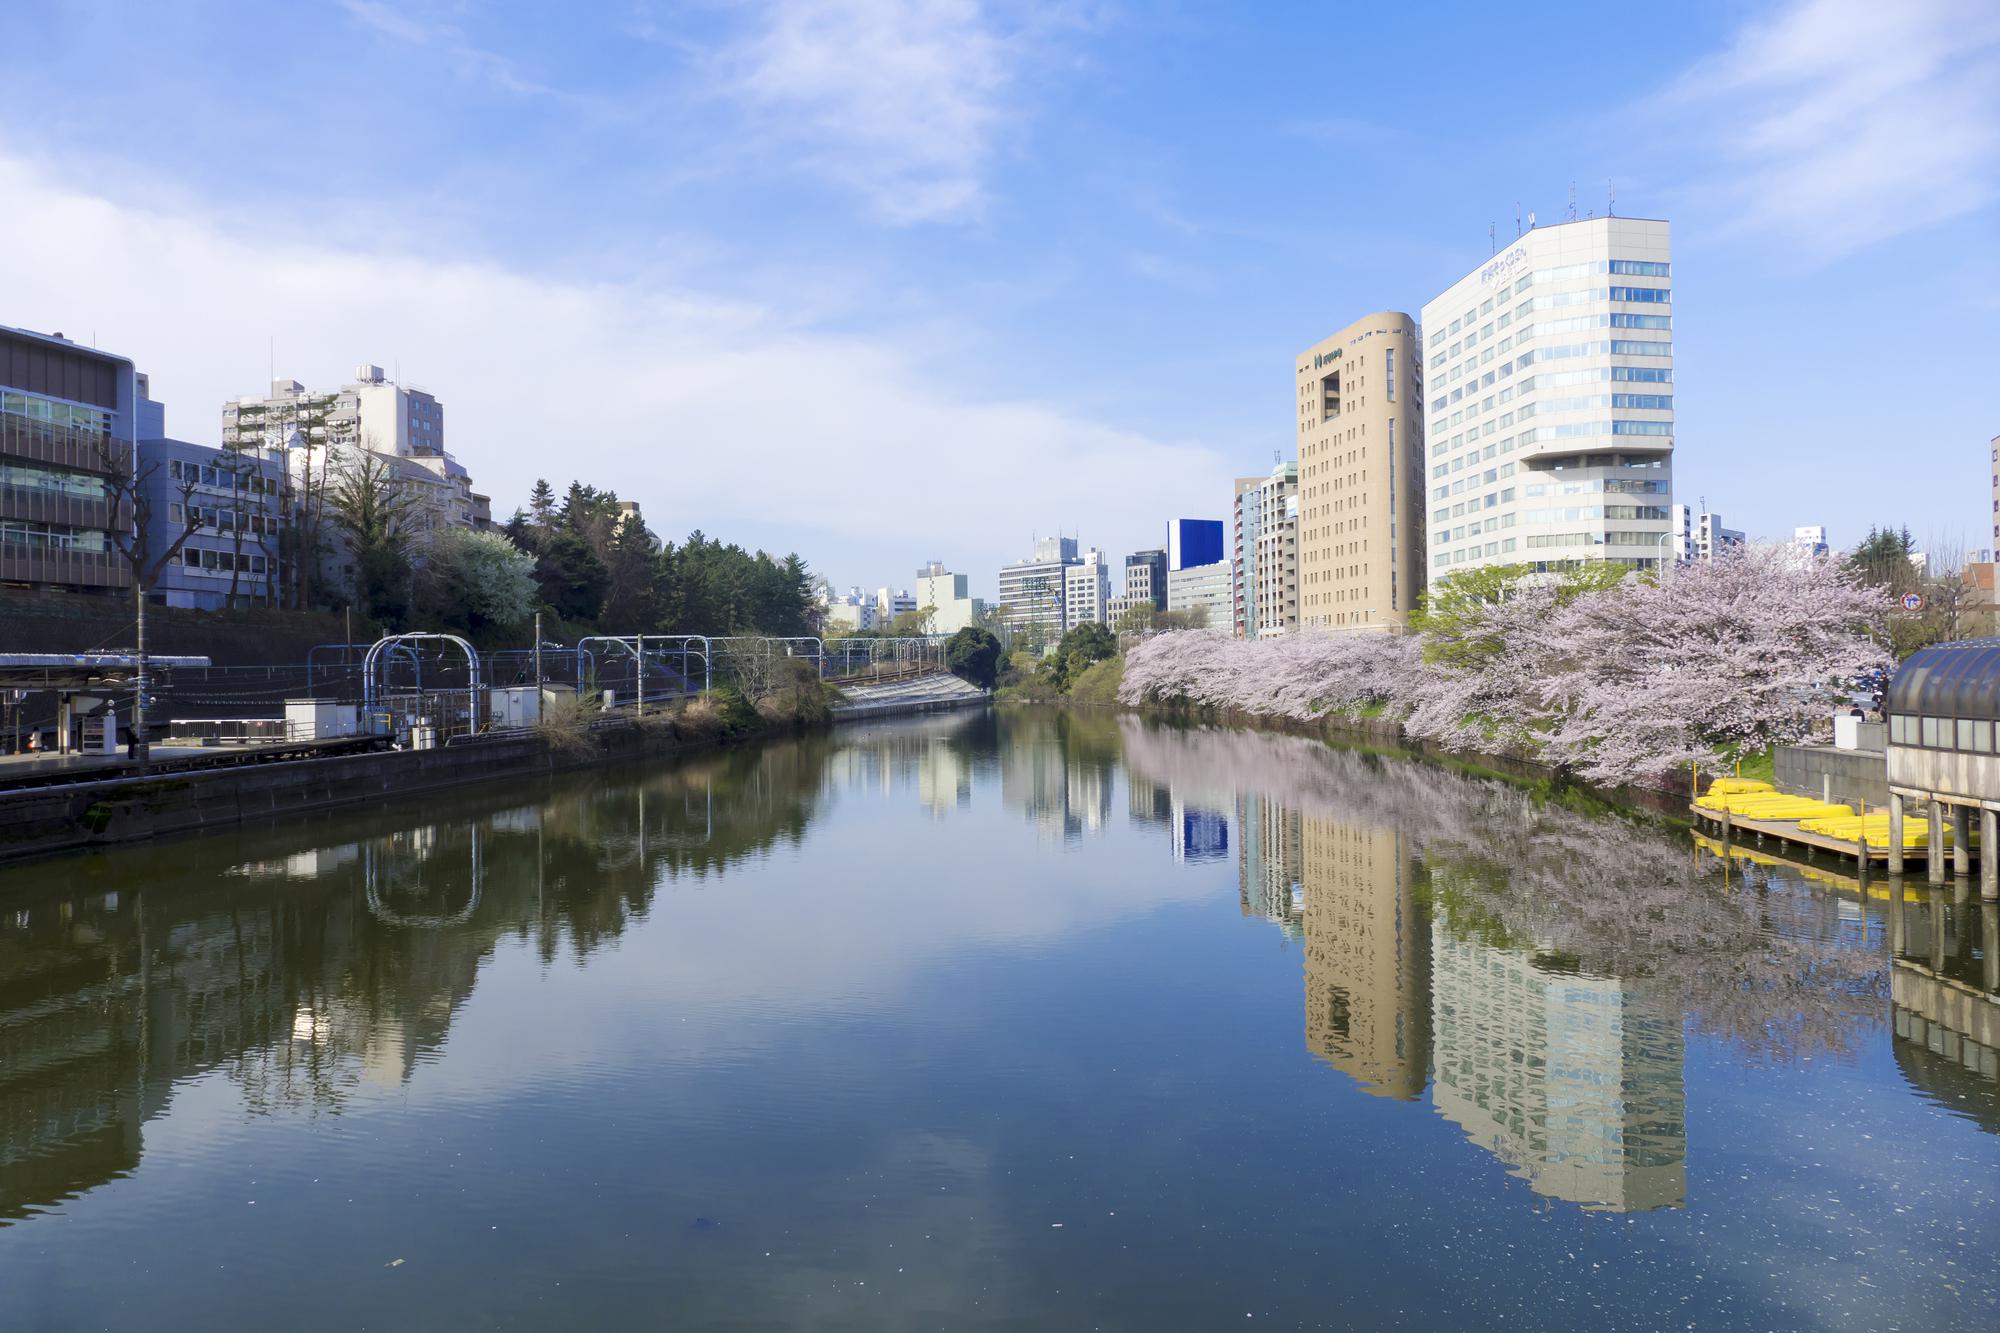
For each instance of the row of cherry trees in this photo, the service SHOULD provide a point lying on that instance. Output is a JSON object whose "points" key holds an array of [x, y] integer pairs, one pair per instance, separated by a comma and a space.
{"points": [[1612, 680]]}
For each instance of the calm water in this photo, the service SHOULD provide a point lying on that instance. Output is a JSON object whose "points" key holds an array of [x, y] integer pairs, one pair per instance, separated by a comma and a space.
{"points": [[990, 1022]]}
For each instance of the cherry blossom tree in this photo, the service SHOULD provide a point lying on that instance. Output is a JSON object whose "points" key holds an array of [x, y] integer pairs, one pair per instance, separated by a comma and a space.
{"points": [[1613, 678]]}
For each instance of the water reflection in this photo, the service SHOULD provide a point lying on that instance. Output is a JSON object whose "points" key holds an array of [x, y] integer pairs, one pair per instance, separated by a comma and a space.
{"points": [[1535, 973]]}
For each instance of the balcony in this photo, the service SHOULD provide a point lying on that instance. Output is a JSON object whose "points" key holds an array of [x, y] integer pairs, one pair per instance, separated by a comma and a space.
{"points": [[95, 570], [62, 446], [31, 505]]}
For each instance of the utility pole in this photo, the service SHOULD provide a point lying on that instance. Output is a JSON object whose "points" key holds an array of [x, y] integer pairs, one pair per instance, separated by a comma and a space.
{"points": [[141, 751], [538, 663]]}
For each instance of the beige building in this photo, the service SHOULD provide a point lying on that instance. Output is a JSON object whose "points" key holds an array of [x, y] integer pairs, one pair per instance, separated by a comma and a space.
{"points": [[1361, 476], [1996, 492], [1368, 950]]}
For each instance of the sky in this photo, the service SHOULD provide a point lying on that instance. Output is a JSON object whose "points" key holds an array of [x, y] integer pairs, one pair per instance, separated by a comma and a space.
{"points": [[886, 281]]}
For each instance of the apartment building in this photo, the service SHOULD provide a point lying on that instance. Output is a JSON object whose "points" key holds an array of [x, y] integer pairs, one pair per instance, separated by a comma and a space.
{"points": [[398, 423], [1264, 553], [1549, 429], [1361, 481]]}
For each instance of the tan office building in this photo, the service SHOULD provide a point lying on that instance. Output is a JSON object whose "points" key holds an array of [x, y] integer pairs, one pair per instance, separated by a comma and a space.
{"points": [[1368, 956], [1361, 490]]}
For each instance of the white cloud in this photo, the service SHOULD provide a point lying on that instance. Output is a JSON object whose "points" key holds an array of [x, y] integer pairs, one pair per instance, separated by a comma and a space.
{"points": [[710, 411], [899, 100], [1840, 123]]}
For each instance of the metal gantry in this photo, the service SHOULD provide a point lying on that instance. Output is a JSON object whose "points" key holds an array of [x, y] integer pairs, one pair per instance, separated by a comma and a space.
{"points": [[370, 696]]}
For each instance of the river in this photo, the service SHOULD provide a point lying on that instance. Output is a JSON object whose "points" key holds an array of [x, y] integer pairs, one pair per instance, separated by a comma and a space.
{"points": [[1011, 1021]]}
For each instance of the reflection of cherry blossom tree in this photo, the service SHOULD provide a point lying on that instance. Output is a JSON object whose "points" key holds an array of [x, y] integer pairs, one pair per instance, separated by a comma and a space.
{"points": [[1757, 965], [1617, 683]]}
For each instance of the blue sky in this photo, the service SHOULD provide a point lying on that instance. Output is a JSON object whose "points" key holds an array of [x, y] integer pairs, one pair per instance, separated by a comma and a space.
{"points": [[887, 280]]}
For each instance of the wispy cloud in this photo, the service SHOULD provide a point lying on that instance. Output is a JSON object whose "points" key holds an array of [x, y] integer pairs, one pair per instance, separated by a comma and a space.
{"points": [[1840, 123], [468, 59], [902, 101]]}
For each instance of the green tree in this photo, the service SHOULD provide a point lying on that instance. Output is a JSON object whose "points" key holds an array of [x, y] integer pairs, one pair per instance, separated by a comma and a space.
{"points": [[912, 624], [973, 654], [1883, 558], [1138, 619], [1086, 643], [542, 506], [380, 513], [570, 577], [1453, 614], [473, 580]]}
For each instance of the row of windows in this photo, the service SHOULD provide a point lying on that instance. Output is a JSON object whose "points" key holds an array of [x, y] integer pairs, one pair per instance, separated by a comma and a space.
{"points": [[223, 520], [53, 481], [193, 557], [227, 478], [1597, 486], [1631, 268], [35, 408], [1613, 537], [53, 537], [1575, 513], [1657, 402], [1942, 733], [1656, 295]]}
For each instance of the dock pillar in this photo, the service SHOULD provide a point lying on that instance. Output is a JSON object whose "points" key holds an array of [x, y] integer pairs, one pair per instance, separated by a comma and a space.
{"points": [[1961, 841], [1937, 930], [1934, 853], [1895, 833], [1826, 787], [1989, 853]]}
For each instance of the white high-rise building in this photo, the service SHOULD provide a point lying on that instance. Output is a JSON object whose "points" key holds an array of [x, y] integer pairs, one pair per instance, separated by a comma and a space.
{"points": [[1550, 423], [1086, 590], [1700, 535]]}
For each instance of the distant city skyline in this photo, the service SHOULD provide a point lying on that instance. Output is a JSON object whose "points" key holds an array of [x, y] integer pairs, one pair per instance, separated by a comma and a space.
{"points": [[1039, 275]]}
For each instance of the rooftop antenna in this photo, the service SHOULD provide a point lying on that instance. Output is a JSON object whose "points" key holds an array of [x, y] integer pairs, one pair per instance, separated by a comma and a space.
{"points": [[1491, 243], [1610, 198], [1572, 201], [1517, 219]]}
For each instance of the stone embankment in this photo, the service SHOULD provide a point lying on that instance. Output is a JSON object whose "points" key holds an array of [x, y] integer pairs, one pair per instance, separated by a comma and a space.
{"points": [[100, 810]]}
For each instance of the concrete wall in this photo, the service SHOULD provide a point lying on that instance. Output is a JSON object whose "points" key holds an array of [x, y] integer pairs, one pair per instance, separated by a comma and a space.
{"points": [[50, 622], [1858, 775]]}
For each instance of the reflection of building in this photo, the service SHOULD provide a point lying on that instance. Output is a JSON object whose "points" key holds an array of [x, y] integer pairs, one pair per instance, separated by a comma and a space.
{"points": [[1368, 953], [1270, 876], [944, 779], [1945, 993], [1568, 1079], [1147, 802], [1199, 835]]}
